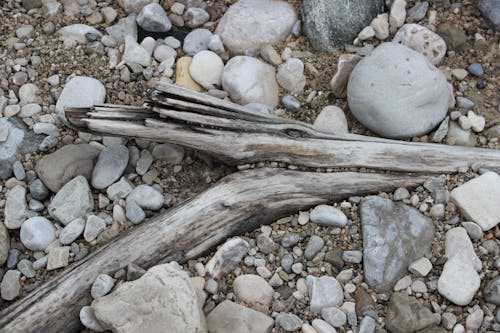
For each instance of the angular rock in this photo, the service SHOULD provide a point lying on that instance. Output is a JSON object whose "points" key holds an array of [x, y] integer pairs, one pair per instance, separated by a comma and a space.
{"points": [[346, 64], [72, 201], [406, 314], [458, 244], [397, 93], [248, 80], [248, 25], [478, 200], [227, 258], [93, 228], [394, 235], [254, 291], [288, 322], [135, 53], [80, 91], [110, 166], [324, 292], [422, 40], [77, 32], [58, 257], [125, 27], [229, 317], [37, 233], [10, 287], [16, 208], [314, 245], [459, 281], [491, 11], [153, 18], [328, 216], [134, 212], [4, 244], [163, 297], [330, 24]]}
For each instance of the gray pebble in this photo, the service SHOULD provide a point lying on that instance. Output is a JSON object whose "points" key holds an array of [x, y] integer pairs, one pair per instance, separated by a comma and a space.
{"points": [[40, 263], [288, 322], [314, 245], [102, 285], [13, 258], [448, 320], [35, 205], [134, 272], [367, 325], [48, 143], [334, 316], [26, 268], [18, 169], [473, 230], [72, 231], [476, 69], [418, 11], [291, 103], [401, 193], [265, 244], [196, 41], [38, 190], [465, 103], [93, 228], [134, 213], [353, 256], [10, 286], [290, 239], [287, 262], [144, 162]]}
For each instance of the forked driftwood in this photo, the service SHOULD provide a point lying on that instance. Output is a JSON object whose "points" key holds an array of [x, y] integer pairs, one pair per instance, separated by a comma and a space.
{"points": [[236, 135], [236, 204]]}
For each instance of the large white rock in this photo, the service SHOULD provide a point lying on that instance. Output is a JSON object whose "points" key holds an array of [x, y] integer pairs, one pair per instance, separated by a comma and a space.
{"points": [[163, 299], [80, 91], [77, 32], [253, 291], [153, 18], [458, 244], [422, 40], [251, 24], [135, 53], [206, 69], [478, 200], [397, 93], [459, 281], [249, 80], [229, 317]]}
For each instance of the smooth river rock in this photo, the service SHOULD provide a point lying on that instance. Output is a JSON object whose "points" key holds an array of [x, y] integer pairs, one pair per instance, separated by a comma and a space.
{"points": [[110, 166], [74, 200], [397, 93], [394, 235]]}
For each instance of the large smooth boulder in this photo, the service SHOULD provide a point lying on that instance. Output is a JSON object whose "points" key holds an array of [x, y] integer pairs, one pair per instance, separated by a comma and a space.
{"points": [[330, 24], [394, 235], [248, 25], [249, 80], [163, 299], [397, 93], [58, 168], [80, 91]]}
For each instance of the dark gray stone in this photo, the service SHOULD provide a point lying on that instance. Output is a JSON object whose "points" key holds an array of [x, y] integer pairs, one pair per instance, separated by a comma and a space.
{"points": [[476, 69], [38, 190], [491, 11], [492, 291], [13, 258], [418, 11], [394, 235], [330, 24], [406, 314]]}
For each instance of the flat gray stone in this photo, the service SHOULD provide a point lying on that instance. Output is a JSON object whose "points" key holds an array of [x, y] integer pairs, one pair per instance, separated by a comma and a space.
{"points": [[134, 212], [14, 139], [59, 167], [324, 292], [58, 257], [94, 226], [147, 197], [248, 25], [330, 24], [16, 207], [72, 231], [229, 317], [10, 287], [328, 216], [394, 235], [119, 190], [110, 166], [397, 93], [196, 41], [74, 200], [26, 268], [478, 200]]}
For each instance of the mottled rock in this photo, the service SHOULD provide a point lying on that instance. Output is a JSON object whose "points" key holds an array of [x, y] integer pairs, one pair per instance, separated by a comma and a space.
{"points": [[291, 76], [196, 41], [422, 40], [338, 83], [153, 18], [492, 291], [125, 27], [227, 257], [77, 32], [93, 228], [133, 6], [10, 287], [58, 257]]}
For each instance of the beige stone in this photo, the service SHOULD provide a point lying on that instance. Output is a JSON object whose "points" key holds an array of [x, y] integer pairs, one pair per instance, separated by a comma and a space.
{"points": [[346, 64], [229, 317], [182, 76]]}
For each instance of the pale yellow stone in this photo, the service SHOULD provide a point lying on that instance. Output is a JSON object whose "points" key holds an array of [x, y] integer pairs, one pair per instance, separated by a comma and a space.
{"points": [[182, 76]]}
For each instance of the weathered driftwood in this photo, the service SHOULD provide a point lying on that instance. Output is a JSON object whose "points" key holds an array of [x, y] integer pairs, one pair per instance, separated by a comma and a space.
{"points": [[236, 204], [236, 135]]}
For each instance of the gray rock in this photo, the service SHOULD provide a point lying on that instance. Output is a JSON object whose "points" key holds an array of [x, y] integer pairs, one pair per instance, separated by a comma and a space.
{"points": [[478, 200], [37, 233], [163, 297], [153, 18], [227, 258], [16, 208], [167, 152], [476, 69], [46, 128], [102, 285], [345, 65], [72, 201], [448, 320], [196, 41], [491, 11], [328, 216], [288, 322], [406, 314], [422, 40], [119, 190], [248, 80], [290, 239], [334, 316], [134, 272], [147, 197], [77, 32], [465, 103], [94, 226], [88, 319], [26, 268], [38, 191], [80, 91], [48, 143], [10, 287], [291, 103], [134, 212], [58, 257], [382, 92], [352, 256], [229, 317], [72, 231], [194, 17], [330, 24], [248, 25], [394, 235], [144, 162], [15, 137], [13, 258], [125, 27], [58, 168], [110, 166], [135, 53], [254, 291], [28, 93], [457, 136], [266, 244], [18, 170], [40, 263], [418, 11], [4, 244], [442, 130], [492, 291], [314, 245], [368, 325], [324, 292], [474, 320], [473, 230], [291, 76]]}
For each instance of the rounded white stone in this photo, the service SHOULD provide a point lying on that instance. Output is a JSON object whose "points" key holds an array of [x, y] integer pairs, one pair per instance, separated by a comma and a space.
{"points": [[37, 233], [206, 69]]}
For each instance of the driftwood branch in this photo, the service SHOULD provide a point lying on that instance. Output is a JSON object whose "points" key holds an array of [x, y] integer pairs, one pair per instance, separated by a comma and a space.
{"points": [[236, 204], [236, 135]]}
